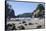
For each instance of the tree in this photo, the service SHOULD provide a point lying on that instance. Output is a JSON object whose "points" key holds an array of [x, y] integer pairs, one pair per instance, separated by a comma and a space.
{"points": [[40, 11], [12, 14], [40, 7], [9, 12]]}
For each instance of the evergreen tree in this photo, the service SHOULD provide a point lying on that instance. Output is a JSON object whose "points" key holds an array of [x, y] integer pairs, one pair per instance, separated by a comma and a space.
{"points": [[9, 11]]}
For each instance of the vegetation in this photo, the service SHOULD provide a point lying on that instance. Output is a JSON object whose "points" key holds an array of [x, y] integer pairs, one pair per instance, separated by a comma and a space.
{"points": [[40, 7], [40, 11], [9, 11], [25, 15]]}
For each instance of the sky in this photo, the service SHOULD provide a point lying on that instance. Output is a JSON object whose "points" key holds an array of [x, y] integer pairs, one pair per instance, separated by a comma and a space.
{"points": [[23, 7]]}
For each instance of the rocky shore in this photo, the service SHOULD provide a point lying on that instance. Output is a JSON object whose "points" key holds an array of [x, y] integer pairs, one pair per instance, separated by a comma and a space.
{"points": [[34, 23]]}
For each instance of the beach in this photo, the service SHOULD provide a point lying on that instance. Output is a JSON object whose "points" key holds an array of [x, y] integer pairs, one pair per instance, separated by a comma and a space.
{"points": [[34, 23]]}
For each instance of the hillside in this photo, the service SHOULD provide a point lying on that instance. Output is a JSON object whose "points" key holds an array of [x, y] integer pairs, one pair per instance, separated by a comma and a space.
{"points": [[39, 11], [25, 15]]}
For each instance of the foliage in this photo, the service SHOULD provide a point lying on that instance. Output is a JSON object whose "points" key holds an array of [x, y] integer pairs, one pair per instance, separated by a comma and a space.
{"points": [[25, 15], [40, 7], [41, 11], [9, 11]]}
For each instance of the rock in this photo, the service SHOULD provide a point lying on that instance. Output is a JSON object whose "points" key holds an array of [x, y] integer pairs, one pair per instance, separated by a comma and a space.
{"points": [[39, 26]]}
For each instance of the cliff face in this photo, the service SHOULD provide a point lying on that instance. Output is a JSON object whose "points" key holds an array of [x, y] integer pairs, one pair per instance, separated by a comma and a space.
{"points": [[39, 12]]}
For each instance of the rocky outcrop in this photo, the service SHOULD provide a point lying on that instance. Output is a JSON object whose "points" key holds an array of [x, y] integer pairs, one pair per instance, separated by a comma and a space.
{"points": [[39, 12]]}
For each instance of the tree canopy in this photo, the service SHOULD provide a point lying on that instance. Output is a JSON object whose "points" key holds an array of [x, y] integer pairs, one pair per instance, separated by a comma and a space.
{"points": [[41, 11], [9, 11]]}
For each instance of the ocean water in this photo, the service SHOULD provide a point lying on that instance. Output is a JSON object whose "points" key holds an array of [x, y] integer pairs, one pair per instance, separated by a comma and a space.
{"points": [[21, 19]]}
